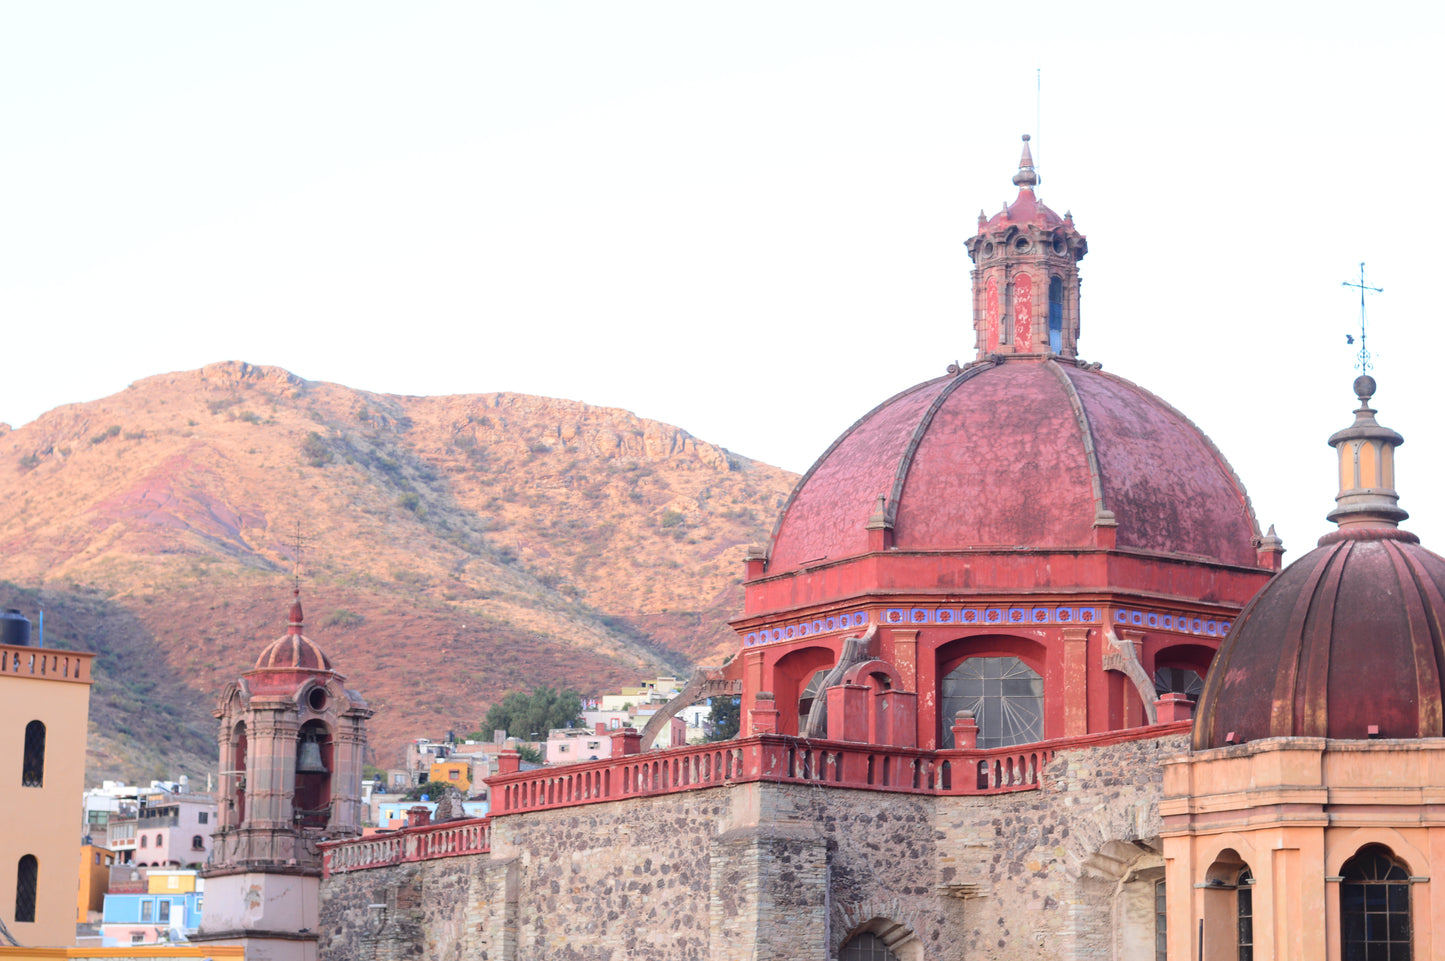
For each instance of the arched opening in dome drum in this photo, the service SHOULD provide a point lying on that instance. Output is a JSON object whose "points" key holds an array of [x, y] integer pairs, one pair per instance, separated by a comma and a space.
{"points": [[1375, 906], [791, 676], [1228, 904], [999, 680], [812, 691], [312, 801], [1056, 314]]}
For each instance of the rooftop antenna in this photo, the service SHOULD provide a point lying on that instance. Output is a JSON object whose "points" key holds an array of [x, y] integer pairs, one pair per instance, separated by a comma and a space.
{"points": [[1363, 360]]}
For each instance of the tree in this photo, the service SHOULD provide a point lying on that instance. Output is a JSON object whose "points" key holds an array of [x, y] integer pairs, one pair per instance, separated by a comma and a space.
{"points": [[522, 715], [432, 789], [725, 717]]}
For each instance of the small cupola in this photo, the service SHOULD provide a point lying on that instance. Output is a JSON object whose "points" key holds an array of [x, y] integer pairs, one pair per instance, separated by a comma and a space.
{"points": [[1026, 274], [1366, 451]]}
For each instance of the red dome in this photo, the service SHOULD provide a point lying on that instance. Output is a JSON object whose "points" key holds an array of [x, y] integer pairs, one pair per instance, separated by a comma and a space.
{"points": [[293, 650], [1025, 451], [1346, 637]]}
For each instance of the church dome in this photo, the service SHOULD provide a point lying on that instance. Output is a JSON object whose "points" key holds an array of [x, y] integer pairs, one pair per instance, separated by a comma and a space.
{"points": [[293, 650], [1346, 642], [1020, 451]]}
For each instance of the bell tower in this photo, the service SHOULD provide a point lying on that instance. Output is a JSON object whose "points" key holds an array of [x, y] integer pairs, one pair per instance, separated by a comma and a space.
{"points": [[1026, 275], [293, 741]]}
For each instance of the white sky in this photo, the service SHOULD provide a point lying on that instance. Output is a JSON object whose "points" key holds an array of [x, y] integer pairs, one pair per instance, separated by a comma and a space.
{"points": [[746, 219]]}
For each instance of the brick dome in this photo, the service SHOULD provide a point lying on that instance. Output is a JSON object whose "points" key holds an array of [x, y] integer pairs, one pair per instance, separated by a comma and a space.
{"points": [[1020, 451], [293, 650]]}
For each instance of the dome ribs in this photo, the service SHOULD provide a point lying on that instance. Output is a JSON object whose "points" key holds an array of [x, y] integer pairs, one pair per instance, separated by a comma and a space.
{"points": [[1285, 706], [1087, 433], [1420, 604], [1311, 660], [905, 463]]}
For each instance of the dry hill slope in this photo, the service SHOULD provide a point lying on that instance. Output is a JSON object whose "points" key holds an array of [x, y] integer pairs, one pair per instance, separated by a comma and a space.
{"points": [[454, 547]]}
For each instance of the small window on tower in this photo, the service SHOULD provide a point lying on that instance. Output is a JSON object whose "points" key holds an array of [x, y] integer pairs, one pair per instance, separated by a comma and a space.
{"points": [[33, 772]]}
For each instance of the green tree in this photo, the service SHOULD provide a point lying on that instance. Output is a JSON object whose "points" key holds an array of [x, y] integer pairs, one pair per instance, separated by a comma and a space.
{"points": [[522, 715], [725, 717], [432, 789]]}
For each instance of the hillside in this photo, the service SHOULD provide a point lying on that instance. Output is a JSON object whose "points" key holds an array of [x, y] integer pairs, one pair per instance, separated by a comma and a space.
{"points": [[452, 548]]}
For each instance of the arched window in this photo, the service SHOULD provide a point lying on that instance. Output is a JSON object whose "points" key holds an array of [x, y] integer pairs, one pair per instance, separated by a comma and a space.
{"points": [[1375, 906], [811, 693], [145, 841], [197, 842], [866, 947], [160, 841], [1056, 315], [1244, 909], [1005, 696], [33, 774], [1178, 680], [27, 882]]}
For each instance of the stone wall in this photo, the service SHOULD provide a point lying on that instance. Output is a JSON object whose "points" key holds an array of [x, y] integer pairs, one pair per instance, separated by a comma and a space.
{"points": [[784, 871]]}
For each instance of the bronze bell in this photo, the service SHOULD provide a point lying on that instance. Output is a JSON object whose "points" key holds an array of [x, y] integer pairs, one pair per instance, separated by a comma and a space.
{"points": [[308, 759]]}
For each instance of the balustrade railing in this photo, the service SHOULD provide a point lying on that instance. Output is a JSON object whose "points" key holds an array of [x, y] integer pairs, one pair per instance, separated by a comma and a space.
{"points": [[445, 840], [772, 758], [52, 663]]}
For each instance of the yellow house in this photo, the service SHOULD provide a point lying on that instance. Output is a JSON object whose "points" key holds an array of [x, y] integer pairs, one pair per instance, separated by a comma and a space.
{"points": [[180, 881], [46, 694], [458, 773], [95, 862]]}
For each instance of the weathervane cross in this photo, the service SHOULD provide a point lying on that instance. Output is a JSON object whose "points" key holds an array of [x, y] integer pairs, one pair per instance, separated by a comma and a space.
{"points": [[298, 547], [1363, 361]]}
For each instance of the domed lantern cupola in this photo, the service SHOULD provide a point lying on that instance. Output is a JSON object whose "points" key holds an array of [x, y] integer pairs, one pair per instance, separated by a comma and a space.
{"points": [[1344, 643], [1026, 275]]}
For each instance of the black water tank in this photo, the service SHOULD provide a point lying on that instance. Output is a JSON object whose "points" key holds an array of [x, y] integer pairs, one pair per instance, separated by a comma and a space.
{"points": [[14, 628]]}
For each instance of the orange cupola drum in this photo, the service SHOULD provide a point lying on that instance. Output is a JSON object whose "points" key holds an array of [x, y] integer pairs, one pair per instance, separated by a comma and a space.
{"points": [[1347, 641]]}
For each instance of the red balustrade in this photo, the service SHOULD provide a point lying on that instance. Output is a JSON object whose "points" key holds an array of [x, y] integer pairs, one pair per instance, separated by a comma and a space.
{"points": [[445, 840], [775, 758]]}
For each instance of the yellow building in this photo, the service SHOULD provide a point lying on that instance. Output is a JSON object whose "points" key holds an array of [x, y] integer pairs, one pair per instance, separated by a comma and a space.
{"points": [[46, 698], [95, 862], [456, 773]]}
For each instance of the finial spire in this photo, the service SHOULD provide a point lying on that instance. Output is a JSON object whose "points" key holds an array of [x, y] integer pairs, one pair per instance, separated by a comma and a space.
{"points": [[296, 619], [1027, 178], [1367, 495]]}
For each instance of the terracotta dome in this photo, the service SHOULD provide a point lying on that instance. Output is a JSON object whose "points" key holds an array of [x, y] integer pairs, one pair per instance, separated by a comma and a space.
{"points": [[1347, 638], [1021, 451], [293, 650]]}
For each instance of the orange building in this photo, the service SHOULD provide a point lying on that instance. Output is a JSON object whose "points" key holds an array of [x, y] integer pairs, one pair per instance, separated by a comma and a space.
{"points": [[1306, 820], [46, 694], [95, 862]]}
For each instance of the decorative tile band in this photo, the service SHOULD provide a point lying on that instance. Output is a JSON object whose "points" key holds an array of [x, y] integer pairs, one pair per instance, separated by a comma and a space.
{"points": [[820, 625], [1180, 623], [990, 617]]}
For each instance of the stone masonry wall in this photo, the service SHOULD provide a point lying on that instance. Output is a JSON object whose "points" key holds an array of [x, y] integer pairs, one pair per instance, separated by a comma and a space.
{"points": [[780, 871]]}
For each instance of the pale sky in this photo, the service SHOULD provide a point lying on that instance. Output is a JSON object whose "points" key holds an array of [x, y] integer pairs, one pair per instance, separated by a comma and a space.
{"points": [[745, 219]]}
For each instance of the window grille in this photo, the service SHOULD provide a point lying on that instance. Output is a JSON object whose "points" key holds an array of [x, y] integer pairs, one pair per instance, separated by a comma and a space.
{"points": [[33, 774], [27, 882], [1005, 696], [866, 947], [1375, 907], [1244, 907]]}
